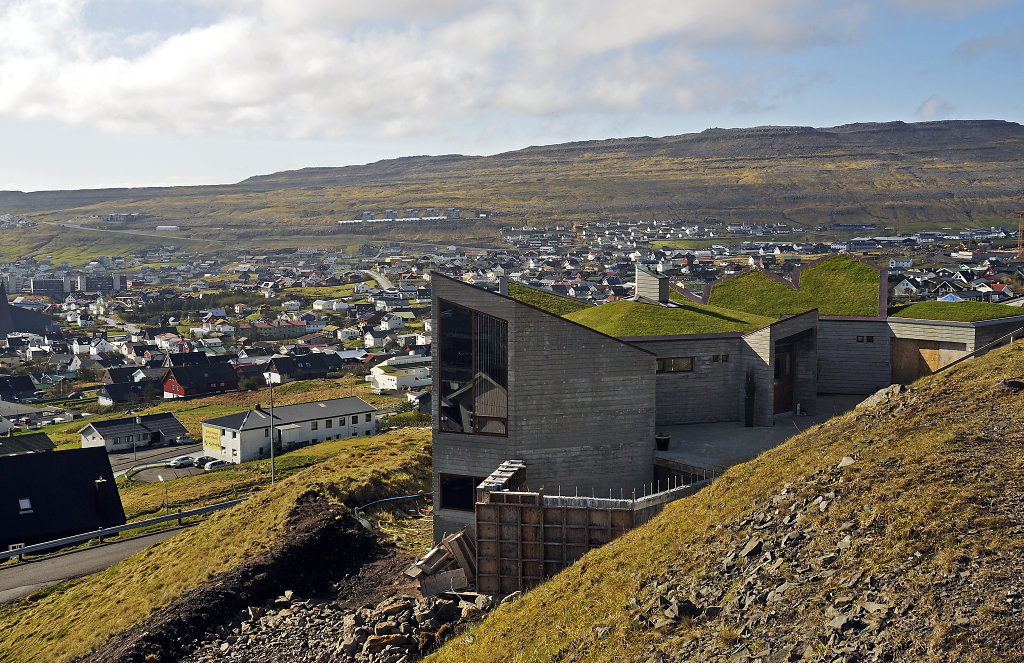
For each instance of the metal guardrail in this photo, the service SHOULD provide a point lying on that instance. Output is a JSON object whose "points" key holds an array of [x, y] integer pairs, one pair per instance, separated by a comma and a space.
{"points": [[109, 531], [1007, 338]]}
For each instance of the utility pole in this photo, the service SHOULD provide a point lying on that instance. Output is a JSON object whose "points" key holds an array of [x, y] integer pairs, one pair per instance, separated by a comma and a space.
{"points": [[272, 432]]}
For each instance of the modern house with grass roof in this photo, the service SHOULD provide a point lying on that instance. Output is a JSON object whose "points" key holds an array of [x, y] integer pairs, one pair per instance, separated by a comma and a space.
{"points": [[578, 392], [580, 395]]}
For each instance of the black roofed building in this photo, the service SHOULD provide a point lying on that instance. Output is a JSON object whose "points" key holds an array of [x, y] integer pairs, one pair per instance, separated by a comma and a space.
{"points": [[131, 432], [126, 393], [78, 495], [17, 319], [26, 443], [16, 387], [303, 367], [245, 436], [185, 381]]}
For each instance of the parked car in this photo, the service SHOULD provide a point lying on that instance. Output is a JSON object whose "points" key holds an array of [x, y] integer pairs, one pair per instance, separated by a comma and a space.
{"points": [[203, 460], [215, 464], [180, 461]]}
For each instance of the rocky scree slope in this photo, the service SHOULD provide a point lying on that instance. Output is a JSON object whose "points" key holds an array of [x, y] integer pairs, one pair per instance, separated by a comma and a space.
{"points": [[893, 533]]}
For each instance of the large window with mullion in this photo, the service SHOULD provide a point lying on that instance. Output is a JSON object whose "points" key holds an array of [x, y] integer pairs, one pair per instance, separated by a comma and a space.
{"points": [[474, 371]]}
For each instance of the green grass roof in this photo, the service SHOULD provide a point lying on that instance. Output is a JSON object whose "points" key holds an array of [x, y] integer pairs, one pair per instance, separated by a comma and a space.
{"points": [[956, 311], [629, 318], [547, 301], [839, 285]]}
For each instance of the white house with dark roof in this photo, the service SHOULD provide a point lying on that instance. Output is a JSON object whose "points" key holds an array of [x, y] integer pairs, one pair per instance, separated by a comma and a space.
{"points": [[131, 432], [245, 436]]}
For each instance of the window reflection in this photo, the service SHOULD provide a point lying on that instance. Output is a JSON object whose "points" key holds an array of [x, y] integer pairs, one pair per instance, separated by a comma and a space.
{"points": [[474, 371]]}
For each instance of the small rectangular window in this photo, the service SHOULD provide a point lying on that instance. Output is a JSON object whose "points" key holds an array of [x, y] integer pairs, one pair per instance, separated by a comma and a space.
{"points": [[369, 418], [725, 357], [328, 423], [313, 425], [675, 365], [24, 505], [714, 358], [869, 339], [860, 339], [355, 419], [266, 433]]}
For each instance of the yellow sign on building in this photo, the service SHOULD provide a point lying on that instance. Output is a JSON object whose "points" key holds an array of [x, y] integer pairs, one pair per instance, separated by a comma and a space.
{"points": [[211, 438]]}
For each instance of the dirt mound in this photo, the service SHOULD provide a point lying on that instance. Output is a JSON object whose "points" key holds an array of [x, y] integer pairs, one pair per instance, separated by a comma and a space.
{"points": [[323, 544]]}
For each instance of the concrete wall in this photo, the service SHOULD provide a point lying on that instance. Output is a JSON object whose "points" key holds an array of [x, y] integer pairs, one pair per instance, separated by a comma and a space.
{"points": [[839, 352], [581, 406], [707, 394], [757, 362]]}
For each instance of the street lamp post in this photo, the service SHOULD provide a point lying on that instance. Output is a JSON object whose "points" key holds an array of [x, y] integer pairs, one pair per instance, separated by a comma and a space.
{"points": [[271, 379], [166, 505]]}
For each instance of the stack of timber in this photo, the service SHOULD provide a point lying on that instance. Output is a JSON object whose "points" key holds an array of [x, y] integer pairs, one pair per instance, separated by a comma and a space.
{"points": [[447, 567]]}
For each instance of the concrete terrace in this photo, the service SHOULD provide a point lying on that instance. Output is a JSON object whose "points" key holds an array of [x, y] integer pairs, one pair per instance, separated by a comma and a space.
{"points": [[718, 446]]}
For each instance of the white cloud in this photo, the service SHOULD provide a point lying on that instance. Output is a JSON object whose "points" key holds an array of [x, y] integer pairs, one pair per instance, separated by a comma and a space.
{"points": [[280, 68], [934, 108]]}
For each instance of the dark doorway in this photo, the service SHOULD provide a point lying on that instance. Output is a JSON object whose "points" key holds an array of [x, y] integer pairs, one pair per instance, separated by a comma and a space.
{"points": [[783, 380]]}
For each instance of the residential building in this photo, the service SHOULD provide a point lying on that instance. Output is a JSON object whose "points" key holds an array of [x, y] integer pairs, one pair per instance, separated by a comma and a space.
{"points": [[132, 432], [246, 436], [78, 495], [185, 381], [400, 374]]}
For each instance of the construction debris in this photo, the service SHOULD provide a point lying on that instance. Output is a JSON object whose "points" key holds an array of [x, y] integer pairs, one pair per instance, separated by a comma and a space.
{"points": [[448, 566]]}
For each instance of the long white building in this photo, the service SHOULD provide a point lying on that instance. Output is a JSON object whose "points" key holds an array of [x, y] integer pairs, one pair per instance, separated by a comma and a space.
{"points": [[245, 436]]}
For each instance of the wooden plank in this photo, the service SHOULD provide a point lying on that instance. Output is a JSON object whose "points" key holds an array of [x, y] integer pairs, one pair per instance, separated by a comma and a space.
{"points": [[448, 581]]}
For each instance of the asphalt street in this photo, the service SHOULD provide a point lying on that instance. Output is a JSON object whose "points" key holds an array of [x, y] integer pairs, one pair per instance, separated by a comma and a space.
{"points": [[121, 461], [21, 579]]}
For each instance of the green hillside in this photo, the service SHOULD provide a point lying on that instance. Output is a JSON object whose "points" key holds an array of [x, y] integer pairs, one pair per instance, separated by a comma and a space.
{"points": [[629, 318], [956, 311], [839, 285], [68, 620], [883, 174], [895, 533]]}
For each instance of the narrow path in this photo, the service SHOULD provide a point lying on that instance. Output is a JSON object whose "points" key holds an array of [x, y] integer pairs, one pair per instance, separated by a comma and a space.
{"points": [[22, 579]]}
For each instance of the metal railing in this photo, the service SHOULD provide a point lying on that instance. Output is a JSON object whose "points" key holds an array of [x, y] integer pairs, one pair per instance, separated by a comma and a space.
{"points": [[110, 531], [1007, 338]]}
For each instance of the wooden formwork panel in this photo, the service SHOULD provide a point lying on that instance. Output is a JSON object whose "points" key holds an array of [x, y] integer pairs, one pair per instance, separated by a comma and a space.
{"points": [[520, 544]]}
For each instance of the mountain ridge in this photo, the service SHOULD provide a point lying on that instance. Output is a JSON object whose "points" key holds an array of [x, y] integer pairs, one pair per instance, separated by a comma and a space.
{"points": [[945, 173]]}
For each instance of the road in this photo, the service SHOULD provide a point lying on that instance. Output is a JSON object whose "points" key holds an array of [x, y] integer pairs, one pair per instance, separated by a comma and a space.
{"points": [[27, 577], [381, 280], [123, 460]]}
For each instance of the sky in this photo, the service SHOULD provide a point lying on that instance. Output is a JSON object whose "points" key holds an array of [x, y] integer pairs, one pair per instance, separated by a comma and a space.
{"points": [[111, 93]]}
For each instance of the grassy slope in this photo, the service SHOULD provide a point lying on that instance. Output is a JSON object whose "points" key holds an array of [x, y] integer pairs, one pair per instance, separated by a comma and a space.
{"points": [[70, 619], [936, 476], [956, 311], [838, 285], [627, 318], [547, 301]]}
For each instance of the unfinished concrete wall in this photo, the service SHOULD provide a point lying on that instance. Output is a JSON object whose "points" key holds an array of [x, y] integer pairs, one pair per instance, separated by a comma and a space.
{"points": [[990, 330], [524, 537], [920, 347], [580, 406], [706, 394], [845, 344]]}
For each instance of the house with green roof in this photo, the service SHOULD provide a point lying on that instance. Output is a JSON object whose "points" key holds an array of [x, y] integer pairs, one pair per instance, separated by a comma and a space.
{"points": [[577, 392]]}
